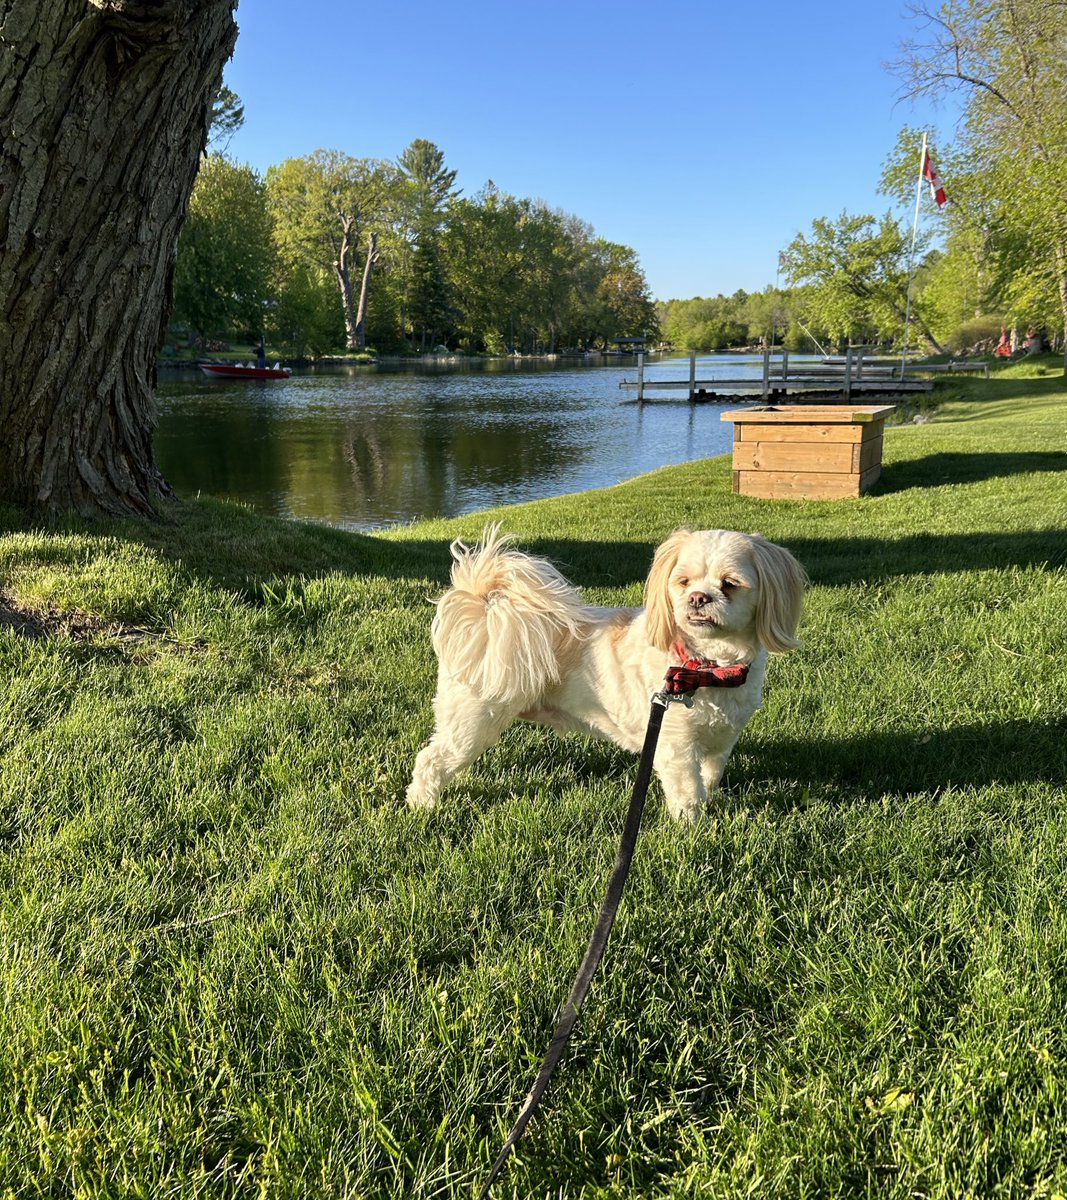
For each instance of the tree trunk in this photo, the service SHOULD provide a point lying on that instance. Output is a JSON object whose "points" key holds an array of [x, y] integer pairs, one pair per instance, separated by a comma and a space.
{"points": [[344, 281], [919, 324], [364, 291], [923, 329], [104, 111]]}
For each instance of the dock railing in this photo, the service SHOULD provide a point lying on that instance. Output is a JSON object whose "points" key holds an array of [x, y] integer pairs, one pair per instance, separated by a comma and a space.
{"points": [[852, 374]]}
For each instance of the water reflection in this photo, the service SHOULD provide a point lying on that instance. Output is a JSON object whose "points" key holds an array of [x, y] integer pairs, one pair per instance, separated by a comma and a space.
{"points": [[368, 447]]}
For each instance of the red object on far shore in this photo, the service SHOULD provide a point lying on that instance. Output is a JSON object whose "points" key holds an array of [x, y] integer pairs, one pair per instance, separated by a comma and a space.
{"points": [[240, 371]]}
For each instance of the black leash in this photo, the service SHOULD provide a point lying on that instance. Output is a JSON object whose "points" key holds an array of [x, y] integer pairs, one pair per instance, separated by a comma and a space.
{"points": [[680, 683]]}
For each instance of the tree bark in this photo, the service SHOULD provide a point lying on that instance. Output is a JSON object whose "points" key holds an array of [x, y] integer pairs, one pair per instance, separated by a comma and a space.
{"points": [[104, 112], [343, 275], [364, 291]]}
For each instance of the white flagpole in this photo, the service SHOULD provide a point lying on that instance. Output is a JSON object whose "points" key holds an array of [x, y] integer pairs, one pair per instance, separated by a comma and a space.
{"points": [[774, 312], [911, 254]]}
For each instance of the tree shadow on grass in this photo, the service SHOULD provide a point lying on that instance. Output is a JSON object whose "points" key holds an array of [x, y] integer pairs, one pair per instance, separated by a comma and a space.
{"points": [[954, 467], [243, 549], [238, 550], [286, 550], [829, 562], [843, 561], [839, 769], [874, 763], [231, 547]]}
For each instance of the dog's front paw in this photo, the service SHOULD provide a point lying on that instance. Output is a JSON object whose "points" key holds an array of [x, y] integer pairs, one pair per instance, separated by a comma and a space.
{"points": [[420, 797], [688, 811]]}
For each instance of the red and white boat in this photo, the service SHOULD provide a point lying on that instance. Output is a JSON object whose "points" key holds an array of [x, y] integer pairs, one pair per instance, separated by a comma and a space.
{"points": [[243, 371]]}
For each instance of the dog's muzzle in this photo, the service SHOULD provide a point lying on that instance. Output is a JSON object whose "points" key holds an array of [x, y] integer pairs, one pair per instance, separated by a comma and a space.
{"points": [[701, 611]]}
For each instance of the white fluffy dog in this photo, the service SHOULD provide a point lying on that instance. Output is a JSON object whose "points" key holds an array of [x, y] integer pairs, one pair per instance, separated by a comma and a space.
{"points": [[514, 639]]}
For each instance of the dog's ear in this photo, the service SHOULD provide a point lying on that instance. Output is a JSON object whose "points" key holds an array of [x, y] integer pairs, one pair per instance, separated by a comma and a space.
{"points": [[659, 610], [781, 583]]}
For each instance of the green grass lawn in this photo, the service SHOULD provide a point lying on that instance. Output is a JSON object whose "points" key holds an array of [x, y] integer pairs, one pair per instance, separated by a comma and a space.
{"points": [[232, 964]]}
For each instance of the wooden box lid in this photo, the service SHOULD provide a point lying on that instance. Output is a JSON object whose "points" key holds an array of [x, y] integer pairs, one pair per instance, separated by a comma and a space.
{"points": [[811, 414]]}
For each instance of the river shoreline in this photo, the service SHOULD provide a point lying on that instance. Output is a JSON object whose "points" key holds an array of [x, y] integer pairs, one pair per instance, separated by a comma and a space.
{"points": [[606, 357]]}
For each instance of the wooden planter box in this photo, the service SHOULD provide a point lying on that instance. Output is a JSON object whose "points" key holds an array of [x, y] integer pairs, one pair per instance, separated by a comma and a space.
{"points": [[807, 451]]}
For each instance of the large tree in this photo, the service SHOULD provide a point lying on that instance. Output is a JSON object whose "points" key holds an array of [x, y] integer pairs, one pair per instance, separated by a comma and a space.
{"points": [[856, 269], [427, 190], [624, 294], [712, 323], [223, 277], [483, 249], [526, 276], [1005, 58], [104, 112], [329, 211]]}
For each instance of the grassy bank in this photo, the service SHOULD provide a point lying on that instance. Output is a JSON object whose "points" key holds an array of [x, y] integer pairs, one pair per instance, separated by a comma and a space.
{"points": [[231, 964]]}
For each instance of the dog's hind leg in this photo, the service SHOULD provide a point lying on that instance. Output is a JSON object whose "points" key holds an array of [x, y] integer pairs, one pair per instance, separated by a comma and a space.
{"points": [[465, 726]]}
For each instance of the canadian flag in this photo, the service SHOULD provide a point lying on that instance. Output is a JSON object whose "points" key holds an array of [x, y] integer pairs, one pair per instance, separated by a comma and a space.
{"points": [[937, 188]]}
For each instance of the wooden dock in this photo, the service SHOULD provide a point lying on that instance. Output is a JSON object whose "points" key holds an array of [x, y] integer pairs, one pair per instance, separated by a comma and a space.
{"points": [[778, 380], [966, 366]]}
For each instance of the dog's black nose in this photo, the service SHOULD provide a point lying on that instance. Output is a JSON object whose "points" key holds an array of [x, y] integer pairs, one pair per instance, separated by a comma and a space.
{"points": [[698, 599]]}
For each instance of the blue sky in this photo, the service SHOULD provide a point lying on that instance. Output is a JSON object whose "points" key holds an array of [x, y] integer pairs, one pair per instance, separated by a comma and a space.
{"points": [[704, 135]]}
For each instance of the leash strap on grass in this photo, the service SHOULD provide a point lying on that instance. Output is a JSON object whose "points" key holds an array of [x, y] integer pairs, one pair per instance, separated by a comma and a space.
{"points": [[608, 909]]}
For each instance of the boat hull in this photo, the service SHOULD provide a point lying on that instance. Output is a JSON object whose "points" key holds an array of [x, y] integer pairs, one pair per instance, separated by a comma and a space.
{"points": [[233, 371]]}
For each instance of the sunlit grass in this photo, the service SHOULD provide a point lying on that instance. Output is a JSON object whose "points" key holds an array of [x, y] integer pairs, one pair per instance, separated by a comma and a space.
{"points": [[231, 964]]}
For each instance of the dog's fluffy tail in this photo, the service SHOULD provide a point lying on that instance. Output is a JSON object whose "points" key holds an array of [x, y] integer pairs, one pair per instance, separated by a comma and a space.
{"points": [[505, 624]]}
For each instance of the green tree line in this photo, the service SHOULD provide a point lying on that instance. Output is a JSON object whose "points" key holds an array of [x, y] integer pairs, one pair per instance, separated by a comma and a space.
{"points": [[328, 252], [849, 285]]}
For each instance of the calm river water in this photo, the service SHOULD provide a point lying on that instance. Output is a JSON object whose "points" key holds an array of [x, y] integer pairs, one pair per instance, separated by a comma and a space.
{"points": [[368, 447]]}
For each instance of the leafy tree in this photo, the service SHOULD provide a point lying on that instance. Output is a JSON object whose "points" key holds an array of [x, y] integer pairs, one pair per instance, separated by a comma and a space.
{"points": [[962, 283], [766, 315], [105, 109], [304, 317], [625, 295], [1005, 58], [551, 254], [702, 323], [955, 287], [525, 275], [433, 185], [483, 249], [428, 303], [223, 276], [328, 210], [429, 189], [856, 269], [573, 307], [227, 116]]}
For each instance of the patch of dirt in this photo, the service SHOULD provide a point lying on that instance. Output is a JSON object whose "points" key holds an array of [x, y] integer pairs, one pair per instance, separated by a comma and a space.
{"points": [[12, 617], [37, 623]]}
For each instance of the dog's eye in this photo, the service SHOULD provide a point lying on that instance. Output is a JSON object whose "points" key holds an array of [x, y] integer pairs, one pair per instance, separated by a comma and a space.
{"points": [[729, 585], [682, 581]]}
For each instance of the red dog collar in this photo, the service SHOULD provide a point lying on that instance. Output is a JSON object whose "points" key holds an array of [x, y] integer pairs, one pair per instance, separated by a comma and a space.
{"points": [[693, 673]]}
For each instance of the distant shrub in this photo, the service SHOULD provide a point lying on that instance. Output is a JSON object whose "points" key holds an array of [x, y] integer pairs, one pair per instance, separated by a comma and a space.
{"points": [[979, 335]]}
